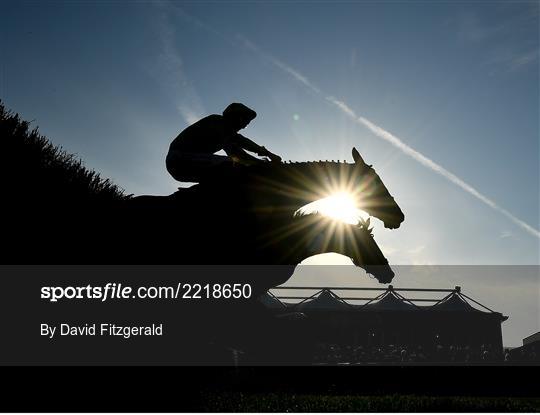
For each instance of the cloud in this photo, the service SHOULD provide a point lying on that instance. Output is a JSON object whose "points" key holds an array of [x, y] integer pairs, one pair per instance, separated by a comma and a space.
{"points": [[471, 29], [417, 250], [173, 9], [501, 41], [189, 115], [511, 59], [169, 69], [523, 59], [387, 250]]}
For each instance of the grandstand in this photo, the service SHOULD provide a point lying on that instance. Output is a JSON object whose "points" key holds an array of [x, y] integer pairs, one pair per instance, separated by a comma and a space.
{"points": [[405, 324]]}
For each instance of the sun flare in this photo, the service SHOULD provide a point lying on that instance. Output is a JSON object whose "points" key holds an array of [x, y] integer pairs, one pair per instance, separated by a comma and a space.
{"points": [[339, 206]]}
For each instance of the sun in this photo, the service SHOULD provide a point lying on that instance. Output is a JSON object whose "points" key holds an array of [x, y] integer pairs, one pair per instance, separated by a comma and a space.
{"points": [[340, 206]]}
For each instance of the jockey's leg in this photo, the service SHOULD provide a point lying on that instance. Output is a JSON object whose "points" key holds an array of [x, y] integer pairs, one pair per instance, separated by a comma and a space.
{"points": [[195, 167]]}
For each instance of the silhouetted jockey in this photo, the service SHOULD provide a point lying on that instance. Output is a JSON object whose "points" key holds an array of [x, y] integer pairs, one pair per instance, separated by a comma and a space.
{"points": [[191, 155]]}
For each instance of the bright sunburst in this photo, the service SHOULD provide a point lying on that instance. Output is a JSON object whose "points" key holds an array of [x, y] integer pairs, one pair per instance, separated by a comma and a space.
{"points": [[340, 206]]}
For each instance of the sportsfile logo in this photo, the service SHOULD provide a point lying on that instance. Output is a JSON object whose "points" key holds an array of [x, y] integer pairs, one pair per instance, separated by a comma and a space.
{"points": [[118, 291], [110, 290]]}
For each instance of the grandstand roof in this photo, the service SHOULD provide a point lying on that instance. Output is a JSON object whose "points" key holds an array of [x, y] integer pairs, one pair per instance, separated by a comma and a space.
{"points": [[390, 300], [325, 300], [271, 301], [454, 302]]}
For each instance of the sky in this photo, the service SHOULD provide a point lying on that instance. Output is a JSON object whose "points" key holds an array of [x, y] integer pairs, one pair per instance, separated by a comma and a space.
{"points": [[442, 98]]}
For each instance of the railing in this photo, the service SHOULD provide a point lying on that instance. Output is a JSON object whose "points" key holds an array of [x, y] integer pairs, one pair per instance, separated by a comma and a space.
{"points": [[384, 291]]}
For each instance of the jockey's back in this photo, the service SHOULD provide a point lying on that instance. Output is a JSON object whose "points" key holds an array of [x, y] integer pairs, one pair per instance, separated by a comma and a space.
{"points": [[206, 136]]}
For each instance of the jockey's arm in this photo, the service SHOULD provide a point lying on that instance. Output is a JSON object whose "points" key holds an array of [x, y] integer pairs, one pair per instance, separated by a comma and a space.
{"points": [[249, 145]]}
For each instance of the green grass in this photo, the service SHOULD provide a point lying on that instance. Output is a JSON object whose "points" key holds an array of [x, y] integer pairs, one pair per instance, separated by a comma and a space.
{"points": [[283, 402]]}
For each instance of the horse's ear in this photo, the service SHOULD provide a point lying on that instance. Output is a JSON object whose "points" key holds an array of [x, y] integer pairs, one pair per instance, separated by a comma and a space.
{"points": [[357, 157]]}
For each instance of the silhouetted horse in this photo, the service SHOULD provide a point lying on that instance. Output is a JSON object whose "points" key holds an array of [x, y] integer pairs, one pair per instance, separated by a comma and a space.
{"points": [[247, 216]]}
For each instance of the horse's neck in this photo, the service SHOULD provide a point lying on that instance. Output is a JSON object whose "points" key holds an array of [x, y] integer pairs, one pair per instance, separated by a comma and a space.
{"points": [[292, 184], [316, 173], [299, 183]]}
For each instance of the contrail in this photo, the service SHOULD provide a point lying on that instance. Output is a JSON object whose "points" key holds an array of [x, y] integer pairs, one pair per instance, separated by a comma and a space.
{"points": [[430, 164], [377, 130], [285, 68], [387, 136]]}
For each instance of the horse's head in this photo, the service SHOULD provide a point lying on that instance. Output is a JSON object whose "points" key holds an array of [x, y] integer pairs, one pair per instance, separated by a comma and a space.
{"points": [[370, 257], [374, 197], [298, 184], [321, 234]]}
